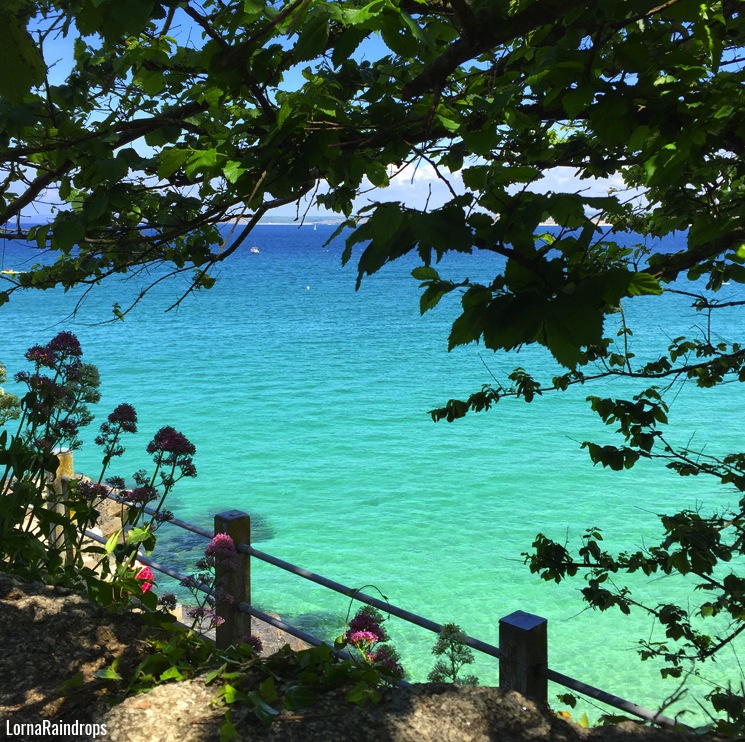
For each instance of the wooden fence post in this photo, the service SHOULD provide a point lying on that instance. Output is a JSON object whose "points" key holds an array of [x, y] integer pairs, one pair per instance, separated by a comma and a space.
{"points": [[58, 501], [237, 583], [523, 645]]}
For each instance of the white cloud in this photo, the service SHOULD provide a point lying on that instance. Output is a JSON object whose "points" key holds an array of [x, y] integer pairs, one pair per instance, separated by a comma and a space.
{"points": [[420, 187]]}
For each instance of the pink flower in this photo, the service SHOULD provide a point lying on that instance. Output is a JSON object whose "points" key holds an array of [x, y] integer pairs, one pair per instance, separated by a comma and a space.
{"points": [[146, 575], [362, 638], [221, 550]]}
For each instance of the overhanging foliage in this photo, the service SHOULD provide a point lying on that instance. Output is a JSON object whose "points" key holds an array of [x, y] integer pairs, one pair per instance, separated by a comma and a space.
{"points": [[177, 116]]}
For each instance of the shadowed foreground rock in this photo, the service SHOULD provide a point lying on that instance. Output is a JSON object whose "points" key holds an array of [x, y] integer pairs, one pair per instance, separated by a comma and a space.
{"points": [[51, 635], [419, 713]]}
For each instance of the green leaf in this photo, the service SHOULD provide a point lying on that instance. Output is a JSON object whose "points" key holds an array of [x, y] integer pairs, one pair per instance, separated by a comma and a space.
{"points": [[231, 694], [41, 235], [313, 38], [162, 135], [377, 174], [419, 33], [213, 674], [571, 325], [644, 284], [112, 541], [228, 732], [476, 177], [151, 82], [201, 160], [264, 712], [67, 231], [172, 673], [21, 64], [357, 16], [425, 273], [268, 690], [362, 693], [170, 161], [576, 100], [108, 673], [610, 118], [285, 110], [346, 44], [114, 19], [299, 697], [708, 227], [467, 328], [138, 535], [72, 683], [233, 170]]}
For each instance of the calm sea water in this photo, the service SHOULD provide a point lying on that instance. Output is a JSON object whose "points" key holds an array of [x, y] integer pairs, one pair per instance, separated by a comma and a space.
{"points": [[308, 403]]}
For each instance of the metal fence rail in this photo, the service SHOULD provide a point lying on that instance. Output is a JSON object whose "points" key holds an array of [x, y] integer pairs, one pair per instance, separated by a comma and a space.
{"points": [[351, 592], [522, 635]]}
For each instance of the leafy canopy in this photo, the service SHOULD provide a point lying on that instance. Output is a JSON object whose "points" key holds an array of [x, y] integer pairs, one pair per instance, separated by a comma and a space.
{"points": [[176, 116]]}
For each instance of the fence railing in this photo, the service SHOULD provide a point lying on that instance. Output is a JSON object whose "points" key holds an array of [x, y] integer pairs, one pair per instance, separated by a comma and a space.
{"points": [[523, 637]]}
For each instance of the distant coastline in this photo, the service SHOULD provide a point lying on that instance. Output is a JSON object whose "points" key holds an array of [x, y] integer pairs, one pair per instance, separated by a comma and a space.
{"points": [[283, 221]]}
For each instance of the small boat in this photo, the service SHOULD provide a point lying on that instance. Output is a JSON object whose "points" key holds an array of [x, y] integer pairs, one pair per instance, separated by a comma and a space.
{"points": [[9, 272], [254, 249]]}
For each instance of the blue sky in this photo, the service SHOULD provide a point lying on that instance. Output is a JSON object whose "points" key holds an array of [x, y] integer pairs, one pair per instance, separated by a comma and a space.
{"points": [[416, 186]]}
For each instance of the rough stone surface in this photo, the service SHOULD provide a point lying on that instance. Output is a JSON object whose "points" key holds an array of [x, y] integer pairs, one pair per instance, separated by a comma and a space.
{"points": [[418, 713], [50, 635], [110, 516]]}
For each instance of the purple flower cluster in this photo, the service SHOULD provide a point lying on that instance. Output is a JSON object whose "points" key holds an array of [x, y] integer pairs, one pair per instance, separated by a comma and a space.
{"points": [[65, 343], [56, 401], [141, 495], [387, 658], [367, 635], [169, 440], [65, 429], [221, 547], [220, 555], [220, 552], [174, 449], [61, 347], [91, 490], [44, 387], [44, 445], [122, 420], [141, 478], [41, 355], [223, 597], [168, 601], [45, 396], [368, 619], [254, 642], [191, 582], [125, 416]]}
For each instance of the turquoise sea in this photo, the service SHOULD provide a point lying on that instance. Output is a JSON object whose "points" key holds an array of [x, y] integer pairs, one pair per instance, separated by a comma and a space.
{"points": [[308, 404]]}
